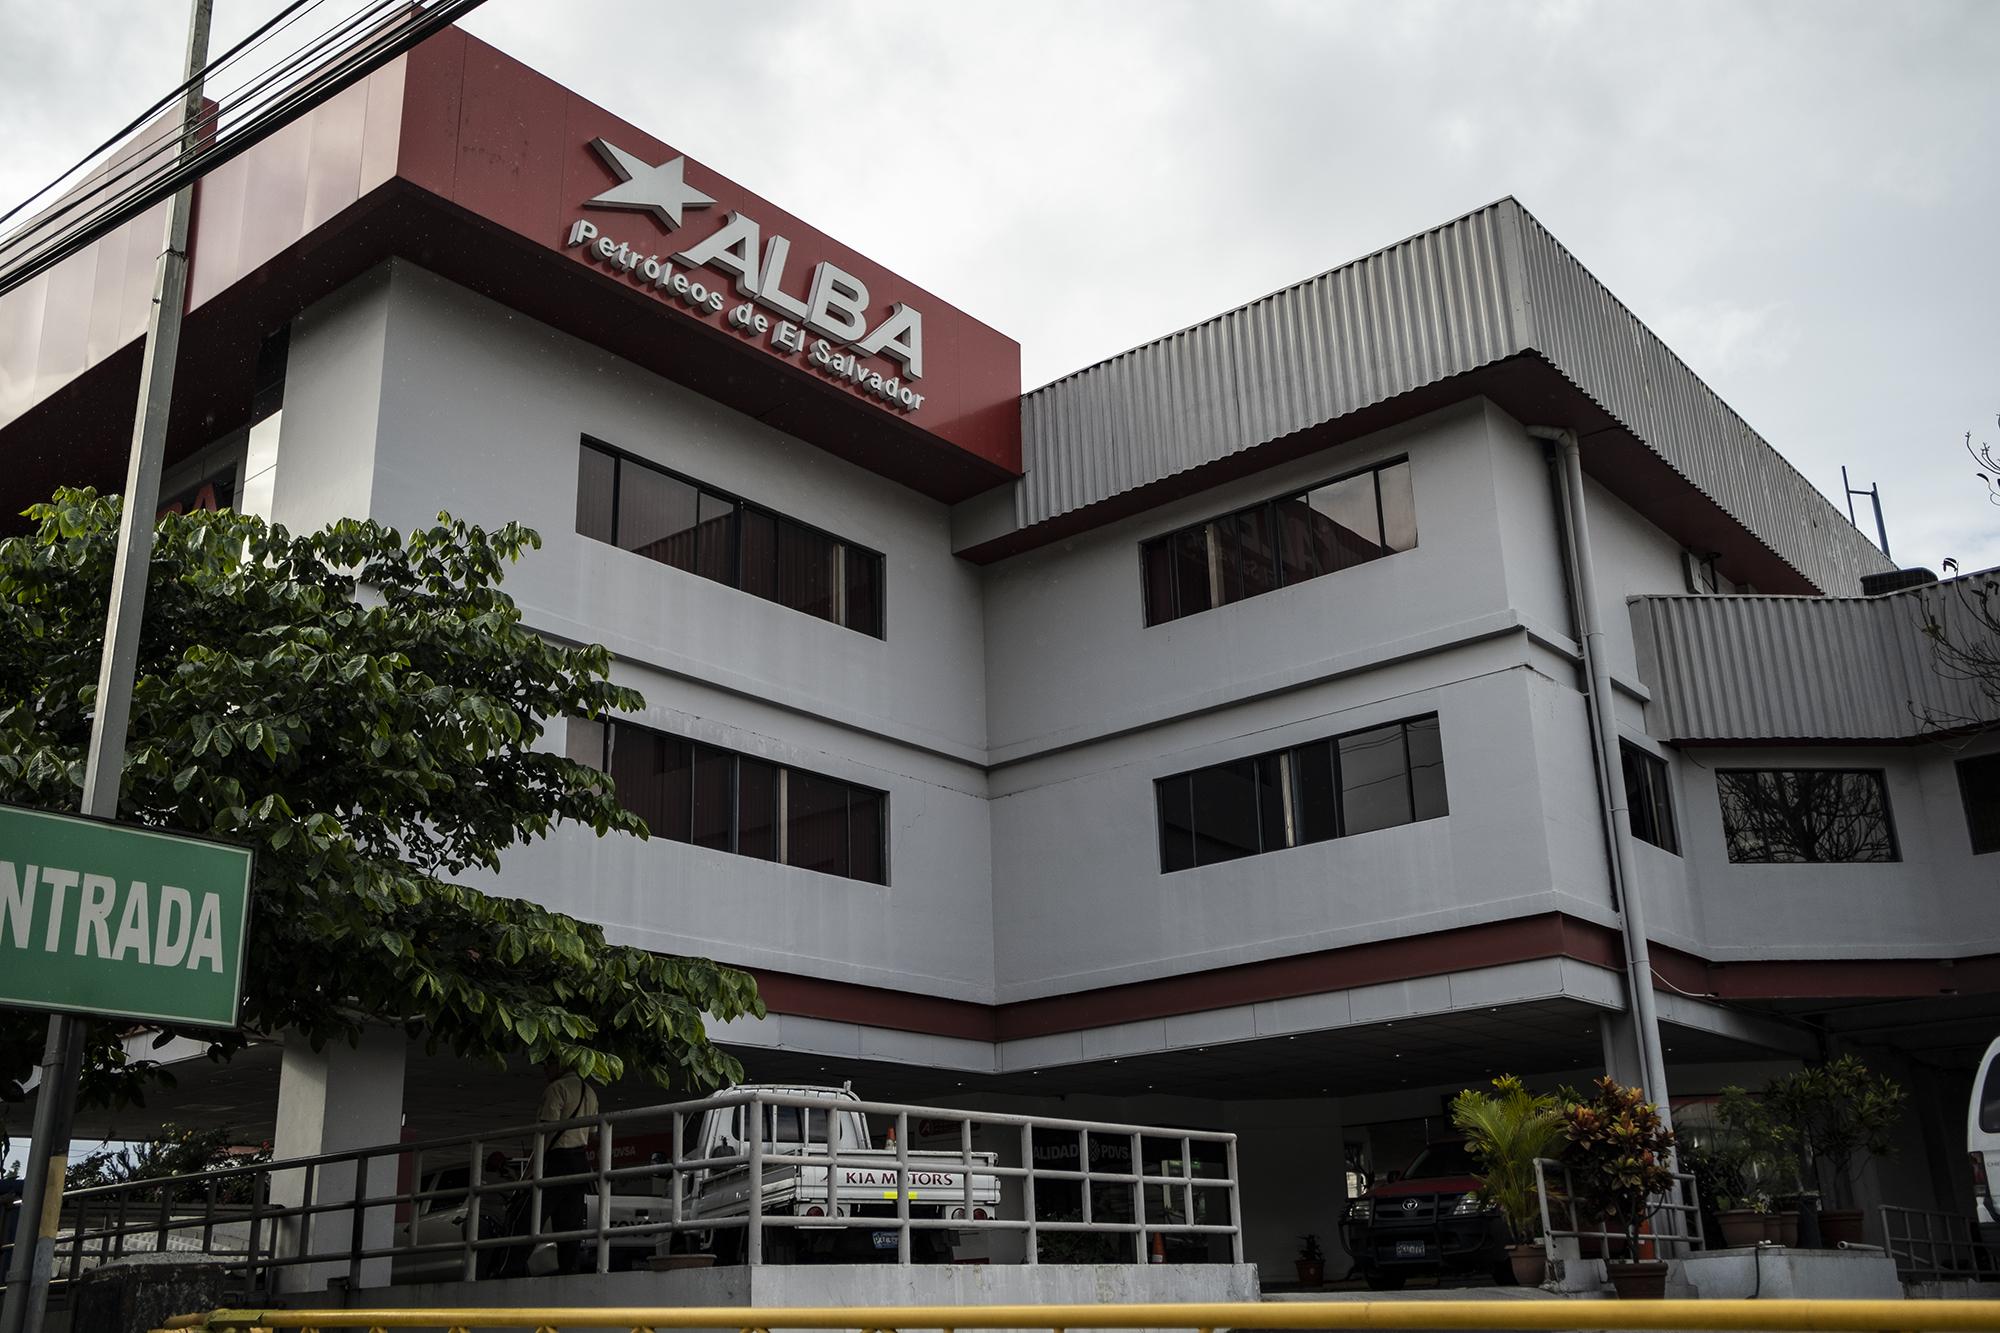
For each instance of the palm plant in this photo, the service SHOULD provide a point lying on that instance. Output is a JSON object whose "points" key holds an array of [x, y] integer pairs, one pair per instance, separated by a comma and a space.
{"points": [[1506, 1130]]}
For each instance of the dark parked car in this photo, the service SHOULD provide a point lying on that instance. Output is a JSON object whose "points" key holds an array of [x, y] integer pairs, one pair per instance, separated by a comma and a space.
{"points": [[1427, 1220]]}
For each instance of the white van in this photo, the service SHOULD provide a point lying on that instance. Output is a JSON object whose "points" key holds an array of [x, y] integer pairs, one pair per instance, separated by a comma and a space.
{"points": [[1982, 1141]]}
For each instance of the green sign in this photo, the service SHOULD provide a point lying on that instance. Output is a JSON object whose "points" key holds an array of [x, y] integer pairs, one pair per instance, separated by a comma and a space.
{"points": [[101, 918]]}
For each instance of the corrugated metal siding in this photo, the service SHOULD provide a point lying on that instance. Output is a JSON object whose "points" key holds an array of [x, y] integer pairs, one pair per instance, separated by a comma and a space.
{"points": [[1434, 306], [1477, 290], [1801, 668], [1589, 335]]}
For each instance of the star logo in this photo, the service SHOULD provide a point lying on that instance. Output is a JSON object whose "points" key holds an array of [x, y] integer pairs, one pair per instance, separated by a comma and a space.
{"points": [[662, 191]]}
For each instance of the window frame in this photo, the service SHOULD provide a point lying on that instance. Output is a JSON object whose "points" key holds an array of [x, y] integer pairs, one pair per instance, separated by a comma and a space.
{"points": [[607, 729], [1972, 821], [1881, 777], [1658, 788], [1218, 580], [843, 548], [1292, 819]]}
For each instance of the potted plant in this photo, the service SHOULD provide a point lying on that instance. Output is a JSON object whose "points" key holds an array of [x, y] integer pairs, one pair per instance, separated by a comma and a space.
{"points": [[1829, 1115], [1506, 1130], [1311, 1262], [1726, 1170], [1617, 1153], [1767, 1128]]}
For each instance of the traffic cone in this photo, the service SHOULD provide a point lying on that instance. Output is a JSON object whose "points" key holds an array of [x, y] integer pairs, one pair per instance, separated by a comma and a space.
{"points": [[1159, 1248]]}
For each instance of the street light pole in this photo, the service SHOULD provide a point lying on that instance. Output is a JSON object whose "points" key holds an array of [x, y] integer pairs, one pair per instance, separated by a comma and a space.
{"points": [[55, 1104]]}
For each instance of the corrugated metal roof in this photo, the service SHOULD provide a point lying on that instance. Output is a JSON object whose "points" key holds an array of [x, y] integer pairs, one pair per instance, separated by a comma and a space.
{"points": [[1749, 668], [1603, 349], [1482, 288]]}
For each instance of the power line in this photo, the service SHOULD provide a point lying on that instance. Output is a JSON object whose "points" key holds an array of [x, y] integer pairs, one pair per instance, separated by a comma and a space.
{"points": [[166, 143], [368, 38], [278, 20]]}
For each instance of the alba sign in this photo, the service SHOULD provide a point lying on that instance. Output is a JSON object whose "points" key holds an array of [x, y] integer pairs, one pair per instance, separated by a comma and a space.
{"points": [[825, 319], [99, 918]]}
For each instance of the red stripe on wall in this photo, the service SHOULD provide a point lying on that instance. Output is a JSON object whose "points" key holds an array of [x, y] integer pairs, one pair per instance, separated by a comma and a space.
{"points": [[1522, 939]]}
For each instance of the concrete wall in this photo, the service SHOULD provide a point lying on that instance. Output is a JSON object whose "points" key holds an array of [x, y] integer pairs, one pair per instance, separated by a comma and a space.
{"points": [[1936, 901], [1018, 714], [847, 1286], [453, 403]]}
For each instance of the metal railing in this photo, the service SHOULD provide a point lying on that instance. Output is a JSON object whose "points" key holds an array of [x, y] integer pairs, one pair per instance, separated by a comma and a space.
{"points": [[460, 1208], [1672, 1222], [1779, 1316], [1931, 1246]]}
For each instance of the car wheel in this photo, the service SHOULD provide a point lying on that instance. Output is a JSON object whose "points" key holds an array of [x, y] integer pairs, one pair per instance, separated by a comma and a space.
{"points": [[1379, 1281]]}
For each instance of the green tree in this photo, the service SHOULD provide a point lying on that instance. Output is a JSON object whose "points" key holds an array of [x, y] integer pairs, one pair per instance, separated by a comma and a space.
{"points": [[362, 708], [1506, 1130], [171, 1151]]}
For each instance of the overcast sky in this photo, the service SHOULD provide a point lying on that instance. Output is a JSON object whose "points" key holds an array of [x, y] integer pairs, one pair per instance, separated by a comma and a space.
{"points": [[1801, 198]]}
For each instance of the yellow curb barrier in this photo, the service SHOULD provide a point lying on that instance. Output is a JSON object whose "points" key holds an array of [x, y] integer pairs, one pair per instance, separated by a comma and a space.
{"points": [[1777, 1316]]}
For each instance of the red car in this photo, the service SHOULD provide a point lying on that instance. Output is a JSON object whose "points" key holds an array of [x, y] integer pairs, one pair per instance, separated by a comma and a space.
{"points": [[1427, 1220]]}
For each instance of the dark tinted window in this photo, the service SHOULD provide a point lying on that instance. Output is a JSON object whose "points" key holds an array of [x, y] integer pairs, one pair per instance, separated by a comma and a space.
{"points": [[1298, 526], [1979, 789], [1347, 524], [1805, 815], [1191, 583], [1278, 542], [716, 798], [1249, 553], [816, 823], [1318, 793], [715, 539], [757, 808], [1647, 798], [1158, 561], [787, 1122], [596, 494], [1327, 789], [805, 570], [1374, 780], [1225, 812], [1176, 799], [658, 516], [864, 591], [1426, 748], [760, 554], [867, 831], [716, 536], [651, 771]]}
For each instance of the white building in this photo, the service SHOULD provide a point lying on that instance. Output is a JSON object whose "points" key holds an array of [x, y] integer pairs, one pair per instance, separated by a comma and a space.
{"points": [[1202, 738]]}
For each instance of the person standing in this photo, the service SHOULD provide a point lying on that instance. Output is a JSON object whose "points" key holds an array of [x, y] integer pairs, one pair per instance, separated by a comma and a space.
{"points": [[565, 1096]]}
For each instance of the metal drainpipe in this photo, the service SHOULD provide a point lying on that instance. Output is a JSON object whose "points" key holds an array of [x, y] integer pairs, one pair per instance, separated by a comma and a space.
{"points": [[1638, 954]]}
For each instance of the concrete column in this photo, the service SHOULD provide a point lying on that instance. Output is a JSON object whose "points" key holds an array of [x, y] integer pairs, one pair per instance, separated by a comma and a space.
{"points": [[329, 1101], [1615, 1031]]}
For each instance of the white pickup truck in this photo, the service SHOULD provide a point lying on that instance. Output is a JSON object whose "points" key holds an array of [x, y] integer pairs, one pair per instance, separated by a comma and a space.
{"points": [[867, 1186]]}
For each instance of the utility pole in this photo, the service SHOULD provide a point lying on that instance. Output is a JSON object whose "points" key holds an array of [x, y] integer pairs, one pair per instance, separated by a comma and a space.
{"points": [[55, 1103]]}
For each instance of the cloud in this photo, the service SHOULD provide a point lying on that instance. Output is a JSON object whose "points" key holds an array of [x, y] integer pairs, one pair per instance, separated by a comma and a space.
{"points": [[1800, 197]]}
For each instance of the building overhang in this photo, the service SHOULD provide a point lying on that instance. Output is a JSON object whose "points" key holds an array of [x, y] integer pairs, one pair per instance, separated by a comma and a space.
{"points": [[1487, 303], [1760, 670]]}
